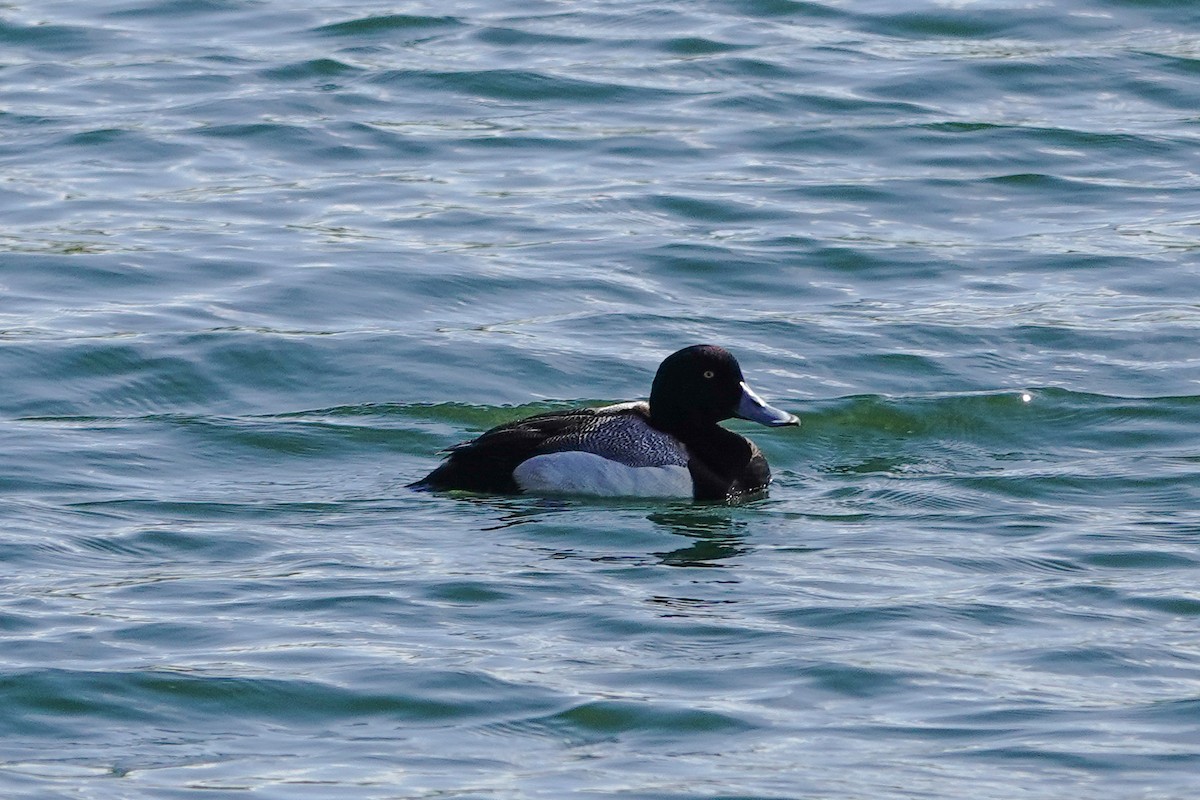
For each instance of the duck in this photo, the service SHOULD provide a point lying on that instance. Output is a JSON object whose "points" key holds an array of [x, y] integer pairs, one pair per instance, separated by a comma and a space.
{"points": [[670, 447]]}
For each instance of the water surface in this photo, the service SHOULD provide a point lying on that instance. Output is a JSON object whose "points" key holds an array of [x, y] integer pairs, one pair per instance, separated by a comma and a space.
{"points": [[261, 261]]}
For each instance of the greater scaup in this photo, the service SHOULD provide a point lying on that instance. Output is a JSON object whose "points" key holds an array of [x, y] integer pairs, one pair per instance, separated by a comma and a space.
{"points": [[669, 447]]}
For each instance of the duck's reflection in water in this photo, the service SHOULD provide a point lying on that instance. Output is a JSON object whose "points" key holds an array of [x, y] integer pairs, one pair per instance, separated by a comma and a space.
{"points": [[715, 533]]}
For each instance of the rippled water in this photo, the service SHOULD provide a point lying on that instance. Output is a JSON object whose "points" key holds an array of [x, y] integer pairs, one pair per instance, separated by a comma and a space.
{"points": [[262, 260]]}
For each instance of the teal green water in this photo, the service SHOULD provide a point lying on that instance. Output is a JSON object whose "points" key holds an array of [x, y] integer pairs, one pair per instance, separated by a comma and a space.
{"points": [[260, 261]]}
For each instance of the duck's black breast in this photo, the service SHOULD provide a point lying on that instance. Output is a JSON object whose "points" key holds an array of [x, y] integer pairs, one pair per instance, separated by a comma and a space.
{"points": [[725, 466]]}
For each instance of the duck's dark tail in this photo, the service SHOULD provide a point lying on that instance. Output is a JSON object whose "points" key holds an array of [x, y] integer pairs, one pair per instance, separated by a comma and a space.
{"points": [[470, 475], [440, 479]]}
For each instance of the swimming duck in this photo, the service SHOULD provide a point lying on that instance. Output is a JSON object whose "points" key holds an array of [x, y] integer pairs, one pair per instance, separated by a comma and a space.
{"points": [[669, 447]]}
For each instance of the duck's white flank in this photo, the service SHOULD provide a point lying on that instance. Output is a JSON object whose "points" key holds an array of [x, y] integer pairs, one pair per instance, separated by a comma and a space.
{"points": [[577, 472]]}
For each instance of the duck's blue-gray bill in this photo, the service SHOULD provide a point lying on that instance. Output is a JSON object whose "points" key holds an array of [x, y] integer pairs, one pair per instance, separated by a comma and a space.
{"points": [[755, 409]]}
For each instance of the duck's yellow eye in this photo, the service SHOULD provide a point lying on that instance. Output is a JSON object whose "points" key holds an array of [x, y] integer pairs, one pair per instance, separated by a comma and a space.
{"points": [[708, 373]]}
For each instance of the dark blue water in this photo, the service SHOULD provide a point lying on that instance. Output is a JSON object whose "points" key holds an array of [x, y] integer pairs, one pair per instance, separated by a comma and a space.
{"points": [[261, 261]]}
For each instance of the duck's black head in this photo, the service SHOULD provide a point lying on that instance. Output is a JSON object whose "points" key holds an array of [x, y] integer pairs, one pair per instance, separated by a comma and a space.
{"points": [[701, 385]]}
